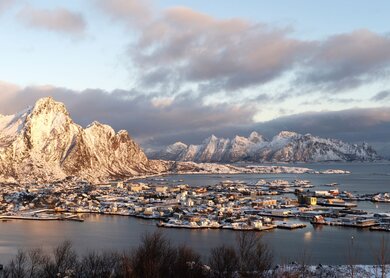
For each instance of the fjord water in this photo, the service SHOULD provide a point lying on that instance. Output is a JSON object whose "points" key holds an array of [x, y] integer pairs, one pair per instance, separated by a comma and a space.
{"points": [[326, 245]]}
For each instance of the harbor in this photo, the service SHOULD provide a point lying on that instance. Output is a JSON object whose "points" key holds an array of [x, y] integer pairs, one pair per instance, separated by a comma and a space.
{"points": [[115, 215], [115, 232], [260, 205]]}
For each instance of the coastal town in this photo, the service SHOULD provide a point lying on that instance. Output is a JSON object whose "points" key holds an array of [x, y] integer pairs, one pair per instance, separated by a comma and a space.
{"points": [[229, 204]]}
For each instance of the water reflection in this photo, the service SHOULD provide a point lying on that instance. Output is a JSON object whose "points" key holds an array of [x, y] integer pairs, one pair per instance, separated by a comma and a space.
{"points": [[327, 245], [307, 236]]}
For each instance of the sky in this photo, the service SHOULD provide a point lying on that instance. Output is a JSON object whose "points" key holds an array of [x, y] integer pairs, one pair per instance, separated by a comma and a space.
{"points": [[169, 70]]}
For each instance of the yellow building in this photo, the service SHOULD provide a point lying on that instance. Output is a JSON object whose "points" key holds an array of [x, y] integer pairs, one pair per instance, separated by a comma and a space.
{"points": [[307, 200]]}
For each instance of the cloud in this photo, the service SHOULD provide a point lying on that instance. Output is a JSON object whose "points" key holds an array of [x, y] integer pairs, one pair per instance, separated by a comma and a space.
{"points": [[370, 125], [179, 47], [7, 88], [356, 125], [181, 56], [133, 12], [5, 5], [347, 61], [156, 121], [383, 95], [185, 46], [58, 20], [350, 121]]}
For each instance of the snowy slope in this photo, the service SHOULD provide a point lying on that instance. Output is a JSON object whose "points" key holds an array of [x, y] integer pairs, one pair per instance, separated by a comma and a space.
{"points": [[42, 144], [284, 147]]}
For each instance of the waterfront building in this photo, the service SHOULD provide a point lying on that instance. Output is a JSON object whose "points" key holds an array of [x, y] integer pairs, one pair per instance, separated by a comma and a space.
{"points": [[307, 200]]}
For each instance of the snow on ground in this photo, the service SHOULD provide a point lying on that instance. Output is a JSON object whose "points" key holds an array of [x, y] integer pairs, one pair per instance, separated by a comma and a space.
{"points": [[334, 271], [214, 168]]}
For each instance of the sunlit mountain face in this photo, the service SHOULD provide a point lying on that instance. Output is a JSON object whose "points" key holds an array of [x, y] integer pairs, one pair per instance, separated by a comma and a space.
{"points": [[42, 144]]}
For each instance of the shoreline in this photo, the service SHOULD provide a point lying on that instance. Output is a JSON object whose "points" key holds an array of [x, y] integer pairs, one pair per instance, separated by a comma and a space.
{"points": [[282, 223]]}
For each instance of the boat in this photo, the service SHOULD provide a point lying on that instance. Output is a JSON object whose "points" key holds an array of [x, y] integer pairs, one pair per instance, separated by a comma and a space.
{"points": [[242, 226], [335, 202], [381, 227], [353, 211], [318, 220], [289, 225], [357, 222], [381, 198], [280, 213], [331, 184]]}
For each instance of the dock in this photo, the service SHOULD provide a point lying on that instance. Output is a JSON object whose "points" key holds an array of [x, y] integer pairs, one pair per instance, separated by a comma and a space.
{"points": [[40, 218], [289, 225]]}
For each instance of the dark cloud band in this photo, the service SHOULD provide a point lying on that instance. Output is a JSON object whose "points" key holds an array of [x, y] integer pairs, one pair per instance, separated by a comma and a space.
{"points": [[155, 121]]}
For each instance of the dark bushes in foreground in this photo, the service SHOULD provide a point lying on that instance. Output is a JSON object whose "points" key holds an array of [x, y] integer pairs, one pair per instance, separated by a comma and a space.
{"points": [[155, 257]]}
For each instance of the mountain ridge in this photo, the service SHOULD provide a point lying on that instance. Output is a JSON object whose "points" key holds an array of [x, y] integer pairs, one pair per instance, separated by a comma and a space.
{"points": [[42, 143], [286, 146]]}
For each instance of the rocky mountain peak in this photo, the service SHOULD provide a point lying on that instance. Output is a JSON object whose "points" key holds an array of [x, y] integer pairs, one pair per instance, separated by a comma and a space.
{"points": [[123, 132], [49, 105], [210, 139], [253, 134], [94, 124], [286, 146], [255, 137], [97, 127], [287, 134], [43, 144], [238, 138], [179, 144]]}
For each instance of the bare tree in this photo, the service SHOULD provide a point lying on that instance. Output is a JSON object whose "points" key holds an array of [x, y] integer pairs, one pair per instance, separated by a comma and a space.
{"points": [[303, 262], [255, 257], [223, 261], [188, 263], [64, 262], [17, 267], [98, 264], [352, 256], [154, 257], [37, 261], [124, 266], [383, 257]]}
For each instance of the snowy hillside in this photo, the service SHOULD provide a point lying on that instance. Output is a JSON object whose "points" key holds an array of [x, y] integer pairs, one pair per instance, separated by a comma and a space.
{"points": [[42, 143], [284, 147]]}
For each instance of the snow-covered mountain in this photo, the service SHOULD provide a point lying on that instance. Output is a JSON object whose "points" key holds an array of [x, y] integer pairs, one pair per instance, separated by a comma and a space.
{"points": [[42, 143], [284, 147]]}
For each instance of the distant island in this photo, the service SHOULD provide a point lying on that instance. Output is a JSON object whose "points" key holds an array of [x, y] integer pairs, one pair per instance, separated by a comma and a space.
{"points": [[286, 146]]}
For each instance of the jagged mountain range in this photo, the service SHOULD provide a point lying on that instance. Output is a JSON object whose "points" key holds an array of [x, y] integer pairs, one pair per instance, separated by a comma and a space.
{"points": [[284, 147], [42, 143]]}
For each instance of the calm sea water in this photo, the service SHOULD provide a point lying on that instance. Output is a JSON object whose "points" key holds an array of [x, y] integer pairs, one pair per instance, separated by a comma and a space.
{"points": [[326, 245]]}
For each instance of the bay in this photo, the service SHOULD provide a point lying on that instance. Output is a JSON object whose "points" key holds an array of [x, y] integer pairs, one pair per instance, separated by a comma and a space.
{"points": [[326, 245]]}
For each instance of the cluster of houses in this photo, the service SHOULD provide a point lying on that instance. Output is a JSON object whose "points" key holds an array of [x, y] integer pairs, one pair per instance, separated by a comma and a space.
{"points": [[229, 204]]}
